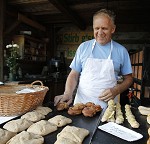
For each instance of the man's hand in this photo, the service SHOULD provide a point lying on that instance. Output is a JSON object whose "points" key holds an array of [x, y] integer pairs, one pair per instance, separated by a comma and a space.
{"points": [[112, 92], [108, 94], [63, 98]]}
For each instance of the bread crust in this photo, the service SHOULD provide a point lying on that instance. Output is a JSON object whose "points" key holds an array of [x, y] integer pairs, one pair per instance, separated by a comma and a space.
{"points": [[62, 106]]}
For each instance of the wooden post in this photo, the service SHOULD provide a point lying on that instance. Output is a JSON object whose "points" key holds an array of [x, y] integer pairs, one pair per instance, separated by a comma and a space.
{"points": [[1, 38]]}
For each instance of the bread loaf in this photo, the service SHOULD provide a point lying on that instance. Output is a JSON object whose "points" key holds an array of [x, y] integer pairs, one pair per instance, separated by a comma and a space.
{"points": [[73, 133], [33, 116], [148, 118], [17, 125], [5, 136], [60, 120], [144, 110], [43, 110], [26, 138], [43, 127], [130, 117], [148, 141]]}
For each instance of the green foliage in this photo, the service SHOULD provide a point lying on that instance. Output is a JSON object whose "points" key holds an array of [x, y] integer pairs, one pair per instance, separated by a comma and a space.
{"points": [[12, 56]]}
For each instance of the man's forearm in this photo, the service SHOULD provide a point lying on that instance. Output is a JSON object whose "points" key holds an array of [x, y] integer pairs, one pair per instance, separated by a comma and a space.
{"points": [[124, 85], [71, 84]]}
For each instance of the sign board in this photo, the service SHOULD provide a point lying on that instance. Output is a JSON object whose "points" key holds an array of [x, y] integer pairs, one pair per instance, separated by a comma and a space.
{"points": [[74, 37], [68, 42]]}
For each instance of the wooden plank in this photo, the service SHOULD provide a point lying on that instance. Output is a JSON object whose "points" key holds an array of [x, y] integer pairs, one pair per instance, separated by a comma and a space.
{"points": [[16, 2], [140, 73], [62, 6], [140, 56], [30, 22]]}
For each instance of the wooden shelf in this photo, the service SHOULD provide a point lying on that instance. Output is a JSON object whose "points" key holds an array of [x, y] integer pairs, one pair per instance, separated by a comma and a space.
{"points": [[30, 48]]}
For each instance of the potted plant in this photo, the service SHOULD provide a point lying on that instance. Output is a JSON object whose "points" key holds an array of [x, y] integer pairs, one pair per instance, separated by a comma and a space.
{"points": [[11, 59]]}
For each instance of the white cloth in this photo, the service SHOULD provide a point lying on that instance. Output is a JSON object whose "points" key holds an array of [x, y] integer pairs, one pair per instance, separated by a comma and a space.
{"points": [[5, 118], [26, 90], [97, 75]]}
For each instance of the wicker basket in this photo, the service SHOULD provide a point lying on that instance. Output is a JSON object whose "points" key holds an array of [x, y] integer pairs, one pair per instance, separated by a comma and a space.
{"points": [[12, 104]]}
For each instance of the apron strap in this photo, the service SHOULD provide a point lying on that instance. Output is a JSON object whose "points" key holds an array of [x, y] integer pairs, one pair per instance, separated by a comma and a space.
{"points": [[111, 48], [93, 45]]}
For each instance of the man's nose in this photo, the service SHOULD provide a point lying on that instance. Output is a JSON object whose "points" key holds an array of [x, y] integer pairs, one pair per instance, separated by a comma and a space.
{"points": [[100, 31]]}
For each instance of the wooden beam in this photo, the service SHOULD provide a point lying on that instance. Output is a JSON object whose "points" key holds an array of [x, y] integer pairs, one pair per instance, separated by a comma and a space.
{"points": [[11, 28], [62, 6], [30, 22]]}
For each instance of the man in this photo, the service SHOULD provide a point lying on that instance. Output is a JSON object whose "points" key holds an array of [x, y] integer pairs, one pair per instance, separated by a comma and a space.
{"points": [[97, 64]]}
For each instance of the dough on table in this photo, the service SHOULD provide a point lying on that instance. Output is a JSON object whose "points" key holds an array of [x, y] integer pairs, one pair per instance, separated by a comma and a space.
{"points": [[73, 133], [17, 125], [43, 127], [60, 120], [148, 118], [109, 112], [5, 136], [119, 114], [33, 116], [43, 110], [130, 117], [26, 138], [63, 140], [148, 141]]}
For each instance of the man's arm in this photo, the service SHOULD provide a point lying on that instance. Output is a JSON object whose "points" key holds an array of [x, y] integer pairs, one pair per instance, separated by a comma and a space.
{"points": [[111, 93], [70, 86]]}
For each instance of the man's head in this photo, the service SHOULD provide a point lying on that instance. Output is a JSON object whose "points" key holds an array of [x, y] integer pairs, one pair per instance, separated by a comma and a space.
{"points": [[103, 26]]}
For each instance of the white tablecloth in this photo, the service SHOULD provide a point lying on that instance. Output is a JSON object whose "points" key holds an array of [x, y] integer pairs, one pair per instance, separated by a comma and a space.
{"points": [[5, 119]]}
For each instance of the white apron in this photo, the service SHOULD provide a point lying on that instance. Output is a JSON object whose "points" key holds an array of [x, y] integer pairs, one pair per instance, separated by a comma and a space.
{"points": [[97, 75]]}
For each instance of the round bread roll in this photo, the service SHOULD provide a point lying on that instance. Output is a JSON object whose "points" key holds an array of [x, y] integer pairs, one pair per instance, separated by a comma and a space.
{"points": [[79, 105], [98, 108], [74, 111], [89, 104], [89, 111], [61, 106]]}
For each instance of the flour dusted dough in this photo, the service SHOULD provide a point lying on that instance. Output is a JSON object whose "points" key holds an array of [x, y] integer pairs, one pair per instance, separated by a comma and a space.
{"points": [[119, 114], [26, 138], [43, 110], [144, 110], [5, 136], [60, 120], [148, 141], [33, 116], [69, 135], [148, 118], [130, 117], [42, 128], [73, 133], [63, 140], [109, 112], [17, 125]]}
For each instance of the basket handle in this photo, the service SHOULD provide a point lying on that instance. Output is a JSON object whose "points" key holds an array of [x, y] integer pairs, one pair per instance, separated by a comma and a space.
{"points": [[37, 81]]}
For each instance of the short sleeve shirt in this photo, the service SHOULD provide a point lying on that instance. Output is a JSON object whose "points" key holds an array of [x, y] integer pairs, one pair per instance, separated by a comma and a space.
{"points": [[119, 55]]}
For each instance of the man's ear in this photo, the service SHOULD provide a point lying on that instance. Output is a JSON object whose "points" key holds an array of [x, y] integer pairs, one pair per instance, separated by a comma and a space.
{"points": [[113, 29]]}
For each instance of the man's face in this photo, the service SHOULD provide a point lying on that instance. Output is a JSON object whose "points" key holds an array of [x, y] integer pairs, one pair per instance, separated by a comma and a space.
{"points": [[103, 29]]}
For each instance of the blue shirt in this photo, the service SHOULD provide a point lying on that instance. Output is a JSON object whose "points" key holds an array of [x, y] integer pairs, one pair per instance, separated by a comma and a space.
{"points": [[119, 55]]}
